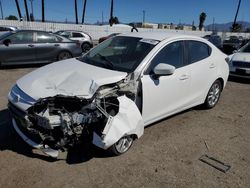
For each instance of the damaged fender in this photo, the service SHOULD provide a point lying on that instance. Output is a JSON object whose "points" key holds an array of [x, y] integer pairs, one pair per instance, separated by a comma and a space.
{"points": [[128, 121]]}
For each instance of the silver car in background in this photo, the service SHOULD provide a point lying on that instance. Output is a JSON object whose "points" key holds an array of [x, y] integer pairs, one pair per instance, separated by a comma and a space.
{"points": [[32, 47], [84, 38]]}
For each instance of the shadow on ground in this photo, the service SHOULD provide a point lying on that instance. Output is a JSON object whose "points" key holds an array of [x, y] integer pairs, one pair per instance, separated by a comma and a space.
{"points": [[11, 67], [239, 80], [10, 140]]}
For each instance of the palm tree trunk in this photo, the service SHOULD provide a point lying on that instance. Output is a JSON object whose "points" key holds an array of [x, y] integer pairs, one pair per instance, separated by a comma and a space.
{"points": [[84, 9], [26, 10], [18, 9], [76, 12], [111, 9], [236, 15], [43, 17]]}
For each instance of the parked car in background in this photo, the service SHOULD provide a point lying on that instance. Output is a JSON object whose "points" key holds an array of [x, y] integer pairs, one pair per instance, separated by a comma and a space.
{"points": [[107, 37], [231, 44], [107, 96], [84, 38], [239, 64], [31, 47], [7, 28], [214, 39]]}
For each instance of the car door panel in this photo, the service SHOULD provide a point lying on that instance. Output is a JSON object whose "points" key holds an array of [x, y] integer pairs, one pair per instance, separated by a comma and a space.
{"points": [[21, 50], [165, 96]]}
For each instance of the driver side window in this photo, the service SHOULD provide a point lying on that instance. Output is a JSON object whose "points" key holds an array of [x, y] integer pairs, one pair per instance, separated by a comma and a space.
{"points": [[172, 54]]}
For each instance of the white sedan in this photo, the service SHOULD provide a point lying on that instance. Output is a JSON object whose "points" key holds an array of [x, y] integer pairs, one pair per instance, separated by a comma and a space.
{"points": [[107, 96], [239, 64]]}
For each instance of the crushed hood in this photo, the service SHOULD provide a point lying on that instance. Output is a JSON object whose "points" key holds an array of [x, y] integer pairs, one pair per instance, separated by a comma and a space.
{"points": [[245, 57], [69, 77]]}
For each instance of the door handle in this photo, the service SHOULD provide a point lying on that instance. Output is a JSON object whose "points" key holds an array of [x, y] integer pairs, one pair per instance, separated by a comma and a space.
{"points": [[57, 45], [184, 77], [211, 66], [31, 45]]}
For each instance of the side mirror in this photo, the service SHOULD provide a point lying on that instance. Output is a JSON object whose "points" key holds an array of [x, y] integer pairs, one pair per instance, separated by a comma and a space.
{"points": [[6, 42], [163, 69]]}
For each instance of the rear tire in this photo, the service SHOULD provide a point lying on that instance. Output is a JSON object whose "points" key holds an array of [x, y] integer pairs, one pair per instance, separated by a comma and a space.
{"points": [[86, 47], [213, 95], [64, 55], [122, 145]]}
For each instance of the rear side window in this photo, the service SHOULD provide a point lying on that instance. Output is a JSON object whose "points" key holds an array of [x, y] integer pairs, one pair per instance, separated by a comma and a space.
{"points": [[46, 38], [198, 51], [76, 35]]}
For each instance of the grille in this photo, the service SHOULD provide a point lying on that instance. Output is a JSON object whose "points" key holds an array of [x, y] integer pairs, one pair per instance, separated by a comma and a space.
{"points": [[241, 64]]}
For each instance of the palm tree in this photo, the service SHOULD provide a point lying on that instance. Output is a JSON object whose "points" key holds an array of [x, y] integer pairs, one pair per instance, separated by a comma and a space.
{"points": [[26, 9], [18, 9], [111, 13], [43, 17], [83, 12], [202, 20], [76, 12], [235, 18]]}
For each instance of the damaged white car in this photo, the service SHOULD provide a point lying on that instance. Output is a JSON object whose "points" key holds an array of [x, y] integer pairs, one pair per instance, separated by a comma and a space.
{"points": [[110, 94]]}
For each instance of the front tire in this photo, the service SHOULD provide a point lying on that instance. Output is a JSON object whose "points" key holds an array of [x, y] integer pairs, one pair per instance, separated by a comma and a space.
{"points": [[86, 47], [213, 95], [122, 145], [64, 55]]}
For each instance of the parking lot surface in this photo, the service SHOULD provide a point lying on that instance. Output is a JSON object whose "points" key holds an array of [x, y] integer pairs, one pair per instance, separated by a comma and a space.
{"points": [[167, 155]]}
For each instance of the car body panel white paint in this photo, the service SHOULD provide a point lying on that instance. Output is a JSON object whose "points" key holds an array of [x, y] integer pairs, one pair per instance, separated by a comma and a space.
{"points": [[69, 77], [128, 121]]}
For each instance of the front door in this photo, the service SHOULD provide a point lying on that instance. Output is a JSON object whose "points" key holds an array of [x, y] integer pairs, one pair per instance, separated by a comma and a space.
{"points": [[167, 94]]}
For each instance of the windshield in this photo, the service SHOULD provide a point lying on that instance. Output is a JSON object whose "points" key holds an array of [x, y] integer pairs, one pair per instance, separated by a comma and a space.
{"points": [[245, 48], [119, 53]]}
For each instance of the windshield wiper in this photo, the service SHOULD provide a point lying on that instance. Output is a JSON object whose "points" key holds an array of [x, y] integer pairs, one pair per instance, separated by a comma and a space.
{"points": [[108, 63]]}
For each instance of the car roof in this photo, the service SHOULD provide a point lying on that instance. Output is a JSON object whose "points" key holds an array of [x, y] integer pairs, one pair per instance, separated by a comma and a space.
{"points": [[160, 36]]}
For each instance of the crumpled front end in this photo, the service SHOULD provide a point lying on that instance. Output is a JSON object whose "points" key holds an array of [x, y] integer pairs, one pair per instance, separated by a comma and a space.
{"points": [[63, 121]]}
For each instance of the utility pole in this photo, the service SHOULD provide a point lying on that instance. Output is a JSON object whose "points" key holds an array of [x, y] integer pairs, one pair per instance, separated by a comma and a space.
{"points": [[76, 14], [143, 16], [18, 10], [102, 18], [43, 17], [26, 9], [31, 4], [1, 9], [84, 10]]}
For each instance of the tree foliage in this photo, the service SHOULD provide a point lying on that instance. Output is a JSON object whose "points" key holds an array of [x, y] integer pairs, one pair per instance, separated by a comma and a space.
{"points": [[11, 17], [236, 27], [113, 20], [203, 16]]}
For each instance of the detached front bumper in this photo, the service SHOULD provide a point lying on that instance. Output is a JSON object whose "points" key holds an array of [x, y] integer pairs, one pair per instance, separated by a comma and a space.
{"points": [[20, 125]]}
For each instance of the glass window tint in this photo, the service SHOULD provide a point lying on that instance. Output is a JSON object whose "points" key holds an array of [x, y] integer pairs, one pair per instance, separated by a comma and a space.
{"points": [[46, 38], [21, 38], [76, 35], [172, 54], [198, 51]]}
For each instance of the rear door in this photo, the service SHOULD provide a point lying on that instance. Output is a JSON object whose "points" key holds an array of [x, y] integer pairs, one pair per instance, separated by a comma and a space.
{"points": [[203, 70], [21, 49], [47, 47]]}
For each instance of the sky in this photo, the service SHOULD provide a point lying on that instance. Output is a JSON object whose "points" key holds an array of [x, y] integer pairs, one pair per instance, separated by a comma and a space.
{"points": [[156, 11]]}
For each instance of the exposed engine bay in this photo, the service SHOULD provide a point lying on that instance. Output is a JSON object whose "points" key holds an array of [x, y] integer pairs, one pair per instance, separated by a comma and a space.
{"points": [[64, 121]]}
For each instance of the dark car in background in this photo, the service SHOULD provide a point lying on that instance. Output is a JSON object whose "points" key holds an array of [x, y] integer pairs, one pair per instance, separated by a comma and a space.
{"points": [[215, 40], [32, 47], [231, 44], [83, 38]]}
